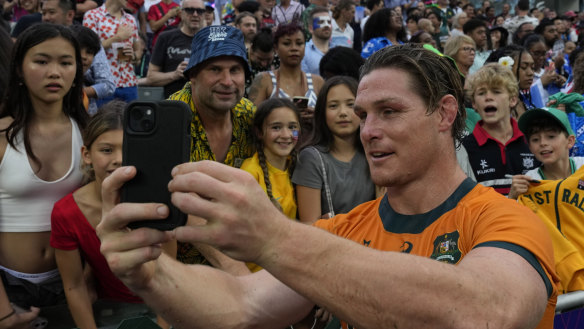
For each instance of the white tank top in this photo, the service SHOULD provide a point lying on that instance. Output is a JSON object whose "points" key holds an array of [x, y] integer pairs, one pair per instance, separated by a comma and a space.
{"points": [[26, 201]]}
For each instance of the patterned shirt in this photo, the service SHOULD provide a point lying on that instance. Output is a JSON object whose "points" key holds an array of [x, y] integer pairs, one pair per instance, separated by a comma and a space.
{"points": [[106, 26], [241, 147]]}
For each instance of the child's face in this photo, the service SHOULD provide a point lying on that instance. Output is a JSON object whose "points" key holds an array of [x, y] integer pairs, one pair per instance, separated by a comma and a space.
{"points": [[86, 59], [340, 116], [280, 133], [493, 103], [550, 146], [105, 154], [525, 70]]}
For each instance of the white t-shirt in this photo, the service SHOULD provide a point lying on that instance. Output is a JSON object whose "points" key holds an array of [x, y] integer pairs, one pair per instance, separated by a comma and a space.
{"points": [[534, 174]]}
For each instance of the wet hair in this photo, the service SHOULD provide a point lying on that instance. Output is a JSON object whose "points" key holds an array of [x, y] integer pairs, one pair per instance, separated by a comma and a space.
{"points": [[262, 112], [108, 118], [493, 75], [17, 103], [379, 24], [287, 29], [341, 61], [87, 39], [263, 41], [431, 77], [322, 135]]}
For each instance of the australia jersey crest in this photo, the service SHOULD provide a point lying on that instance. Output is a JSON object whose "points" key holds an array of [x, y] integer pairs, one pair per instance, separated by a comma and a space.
{"points": [[446, 248]]}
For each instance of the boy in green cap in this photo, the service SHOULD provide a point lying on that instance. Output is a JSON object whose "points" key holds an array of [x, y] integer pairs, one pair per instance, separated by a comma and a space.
{"points": [[550, 139]]}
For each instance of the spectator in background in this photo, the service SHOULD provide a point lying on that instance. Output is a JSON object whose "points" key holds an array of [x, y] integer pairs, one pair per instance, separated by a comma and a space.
{"points": [[547, 29], [248, 24], [341, 61], [162, 16], [318, 46], [384, 29], [306, 20], [457, 24], [521, 16], [440, 29], [411, 25], [253, 7], [343, 33], [21, 8], [522, 31], [506, 10], [172, 51], [289, 80], [261, 56], [499, 36], [98, 81], [469, 9], [477, 30], [425, 25], [462, 49], [118, 33], [288, 11], [266, 7], [423, 37], [372, 6]]}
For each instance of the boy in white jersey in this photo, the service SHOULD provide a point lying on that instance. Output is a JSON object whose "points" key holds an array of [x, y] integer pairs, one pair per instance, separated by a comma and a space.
{"points": [[550, 139]]}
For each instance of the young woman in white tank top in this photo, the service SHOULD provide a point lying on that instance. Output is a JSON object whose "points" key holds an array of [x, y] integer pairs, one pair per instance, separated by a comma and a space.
{"points": [[40, 144]]}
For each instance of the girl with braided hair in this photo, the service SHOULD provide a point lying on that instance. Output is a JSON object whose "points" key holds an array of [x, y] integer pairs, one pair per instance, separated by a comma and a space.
{"points": [[276, 127]]}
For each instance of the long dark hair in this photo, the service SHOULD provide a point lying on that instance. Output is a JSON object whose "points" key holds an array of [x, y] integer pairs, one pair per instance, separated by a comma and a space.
{"points": [[322, 136], [17, 103], [378, 25], [262, 112]]}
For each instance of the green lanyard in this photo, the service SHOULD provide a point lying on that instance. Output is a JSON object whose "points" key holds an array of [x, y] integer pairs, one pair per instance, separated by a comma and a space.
{"points": [[572, 169]]}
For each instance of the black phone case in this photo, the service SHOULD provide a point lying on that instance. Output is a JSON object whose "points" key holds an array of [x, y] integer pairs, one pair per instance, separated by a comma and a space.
{"points": [[155, 154]]}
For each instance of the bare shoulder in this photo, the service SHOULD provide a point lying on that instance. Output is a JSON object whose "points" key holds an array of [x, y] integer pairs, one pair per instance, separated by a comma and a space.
{"points": [[258, 90]]}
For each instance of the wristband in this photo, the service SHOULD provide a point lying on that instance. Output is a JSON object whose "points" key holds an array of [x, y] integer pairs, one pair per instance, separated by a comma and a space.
{"points": [[8, 315]]}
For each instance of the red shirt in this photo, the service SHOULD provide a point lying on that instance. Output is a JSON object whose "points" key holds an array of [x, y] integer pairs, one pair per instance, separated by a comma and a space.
{"points": [[70, 230], [155, 14]]}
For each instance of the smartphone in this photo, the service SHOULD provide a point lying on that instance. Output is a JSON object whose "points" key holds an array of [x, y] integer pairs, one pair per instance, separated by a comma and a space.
{"points": [[157, 137], [301, 102]]}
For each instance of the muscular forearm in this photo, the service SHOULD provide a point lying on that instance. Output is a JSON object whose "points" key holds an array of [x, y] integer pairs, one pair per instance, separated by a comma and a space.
{"points": [[368, 283], [156, 25]]}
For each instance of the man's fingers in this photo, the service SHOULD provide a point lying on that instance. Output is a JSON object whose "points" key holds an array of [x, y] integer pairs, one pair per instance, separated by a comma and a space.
{"points": [[111, 186], [213, 169], [126, 213]]}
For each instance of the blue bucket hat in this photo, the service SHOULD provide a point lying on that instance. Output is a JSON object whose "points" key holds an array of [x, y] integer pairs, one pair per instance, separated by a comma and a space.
{"points": [[215, 41]]}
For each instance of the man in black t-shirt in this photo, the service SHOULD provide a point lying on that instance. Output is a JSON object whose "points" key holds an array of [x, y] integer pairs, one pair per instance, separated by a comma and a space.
{"points": [[173, 48]]}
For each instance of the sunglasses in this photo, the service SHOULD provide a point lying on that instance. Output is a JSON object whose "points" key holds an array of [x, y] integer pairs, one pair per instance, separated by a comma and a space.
{"points": [[190, 11]]}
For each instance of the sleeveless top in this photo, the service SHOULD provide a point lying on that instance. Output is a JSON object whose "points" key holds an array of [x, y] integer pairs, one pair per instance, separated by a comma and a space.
{"points": [[310, 93], [26, 201]]}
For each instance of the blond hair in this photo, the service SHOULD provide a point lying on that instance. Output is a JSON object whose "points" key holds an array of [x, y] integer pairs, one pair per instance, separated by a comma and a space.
{"points": [[493, 75]]}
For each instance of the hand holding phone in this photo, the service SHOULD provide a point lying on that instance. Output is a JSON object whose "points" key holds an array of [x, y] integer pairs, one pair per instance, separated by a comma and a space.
{"points": [[301, 102], [156, 139]]}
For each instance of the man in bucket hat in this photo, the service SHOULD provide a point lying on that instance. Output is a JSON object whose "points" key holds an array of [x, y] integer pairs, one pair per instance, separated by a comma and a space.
{"points": [[222, 118]]}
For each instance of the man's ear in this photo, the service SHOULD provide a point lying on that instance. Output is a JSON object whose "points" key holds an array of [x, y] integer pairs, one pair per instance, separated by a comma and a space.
{"points": [[447, 111], [70, 15]]}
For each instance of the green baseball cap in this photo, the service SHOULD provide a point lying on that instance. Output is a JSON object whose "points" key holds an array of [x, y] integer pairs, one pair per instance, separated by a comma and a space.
{"points": [[547, 112]]}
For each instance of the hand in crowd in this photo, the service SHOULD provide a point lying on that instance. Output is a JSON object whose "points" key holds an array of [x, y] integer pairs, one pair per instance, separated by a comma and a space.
{"points": [[129, 51], [519, 185], [173, 12], [561, 107], [228, 198], [551, 76], [323, 315], [129, 252], [178, 73], [307, 114], [124, 32], [20, 320]]}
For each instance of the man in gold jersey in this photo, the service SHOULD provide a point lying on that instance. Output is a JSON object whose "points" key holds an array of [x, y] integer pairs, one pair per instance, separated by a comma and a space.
{"points": [[456, 254]]}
